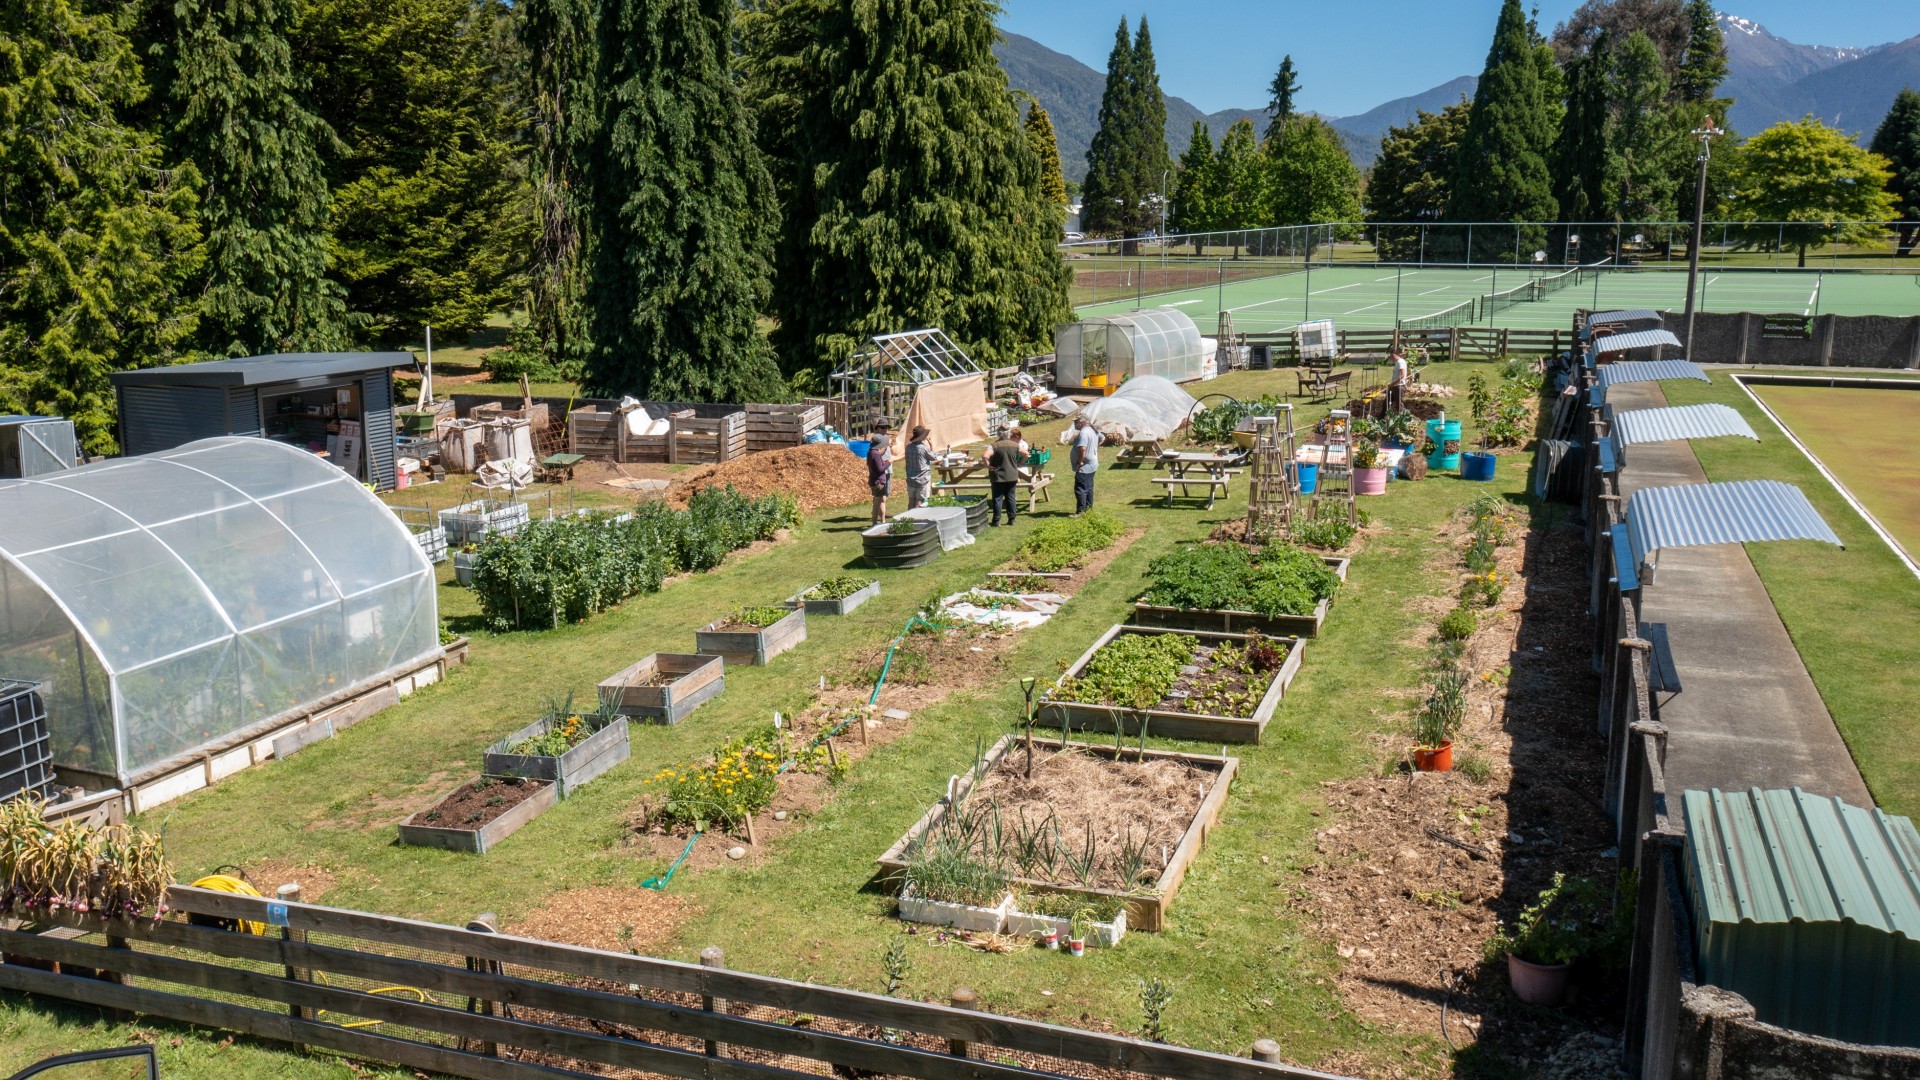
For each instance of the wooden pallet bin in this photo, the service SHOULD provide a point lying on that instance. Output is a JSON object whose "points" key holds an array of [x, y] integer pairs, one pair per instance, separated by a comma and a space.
{"points": [[700, 440], [752, 647], [1074, 716], [699, 679], [1143, 912], [585, 760], [776, 427], [599, 435]]}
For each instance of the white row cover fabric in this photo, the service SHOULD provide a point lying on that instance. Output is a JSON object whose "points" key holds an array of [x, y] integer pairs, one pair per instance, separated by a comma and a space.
{"points": [[174, 599], [1147, 407], [1736, 512], [1677, 423]]}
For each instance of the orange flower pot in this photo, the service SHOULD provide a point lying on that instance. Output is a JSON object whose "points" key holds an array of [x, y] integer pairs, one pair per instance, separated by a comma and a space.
{"points": [[1433, 758]]}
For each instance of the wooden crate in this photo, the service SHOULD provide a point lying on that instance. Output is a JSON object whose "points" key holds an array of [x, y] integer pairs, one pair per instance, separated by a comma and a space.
{"points": [[654, 449], [775, 427], [745, 647], [478, 841], [834, 410], [698, 440], [1075, 716], [700, 679], [585, 760], [597, 434], [1144, 912]]}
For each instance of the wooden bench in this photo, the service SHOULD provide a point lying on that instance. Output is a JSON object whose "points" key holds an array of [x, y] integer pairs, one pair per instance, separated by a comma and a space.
{"points": [[1215, 483], [1139, 452], [1316, 379], [1662, 676]]}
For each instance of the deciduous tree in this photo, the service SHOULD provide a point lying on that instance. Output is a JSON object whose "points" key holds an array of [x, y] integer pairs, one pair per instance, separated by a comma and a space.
{"points": [[1409, 179], [1815, 180], [1311, 178], [1197, 188]]}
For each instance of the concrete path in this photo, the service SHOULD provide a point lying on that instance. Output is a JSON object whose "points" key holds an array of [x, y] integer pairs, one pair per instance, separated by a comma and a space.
{"points": [[1748, 714]]}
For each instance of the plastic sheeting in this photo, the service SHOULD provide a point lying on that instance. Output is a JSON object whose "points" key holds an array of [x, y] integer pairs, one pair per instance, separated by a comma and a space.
{"points": [[950, 520], [174, 599], [1158, 341], [1147, 407]]}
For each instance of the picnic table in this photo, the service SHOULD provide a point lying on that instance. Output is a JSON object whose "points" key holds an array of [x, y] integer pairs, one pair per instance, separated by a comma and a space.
{"points": [[1139, 452], [970, 474], [1213, 471]]}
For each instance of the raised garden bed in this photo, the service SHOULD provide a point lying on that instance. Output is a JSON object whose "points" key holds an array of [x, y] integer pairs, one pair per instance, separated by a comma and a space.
{"points": [[1164, 802], [742, 640], [1190, 706], [838, 596], [1231, 621], [463, 567], [469, 818], [664, 687], [977, 507], [469, 523], [902, 550], [593, 754]]}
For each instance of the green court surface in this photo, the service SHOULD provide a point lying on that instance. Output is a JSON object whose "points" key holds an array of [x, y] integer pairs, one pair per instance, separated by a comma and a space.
{"points": [[1380, 297], [1852, 432]]}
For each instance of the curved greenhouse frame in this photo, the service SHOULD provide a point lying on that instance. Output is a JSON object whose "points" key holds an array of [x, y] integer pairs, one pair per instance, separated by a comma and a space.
{"points": [[171, 601], [1158, 341]]}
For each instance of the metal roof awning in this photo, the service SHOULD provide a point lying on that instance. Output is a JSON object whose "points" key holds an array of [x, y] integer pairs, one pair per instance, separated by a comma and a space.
{"points": [[258, 370], [1638, 314], [1676, 423], [1638, 339], [1736, 512], [1633, 371]]}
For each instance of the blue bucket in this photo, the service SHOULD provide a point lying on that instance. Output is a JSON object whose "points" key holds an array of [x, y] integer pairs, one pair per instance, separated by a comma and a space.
{"points": [[860, 446], [1477, 466], [1309, 478], [1443, 432]]}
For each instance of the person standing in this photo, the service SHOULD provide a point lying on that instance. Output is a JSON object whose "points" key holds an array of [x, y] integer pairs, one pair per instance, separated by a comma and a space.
{"points": [[880, 469], [1397, 384], [1003, 472], [1086, 461], [919, 468]]}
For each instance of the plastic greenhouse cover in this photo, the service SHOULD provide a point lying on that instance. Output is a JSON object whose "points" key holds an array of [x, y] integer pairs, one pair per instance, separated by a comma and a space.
{"points": [[1145, 407], [209, 587]]}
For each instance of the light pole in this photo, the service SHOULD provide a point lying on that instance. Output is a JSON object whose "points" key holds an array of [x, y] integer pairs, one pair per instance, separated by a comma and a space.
{"points": [[1706, 133]]}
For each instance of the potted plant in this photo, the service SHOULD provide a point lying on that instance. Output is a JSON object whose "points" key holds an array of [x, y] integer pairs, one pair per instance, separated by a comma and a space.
{"points": [[1078, 928], [1093, 367], [463, 562], [1048, 917], [1567, 921], [947, 885], [1399, 429], [1439, 717], [1369, 475]]}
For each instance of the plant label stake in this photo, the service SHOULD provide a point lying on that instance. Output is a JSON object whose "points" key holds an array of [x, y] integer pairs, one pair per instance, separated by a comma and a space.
{"points": [[752, 841], [776, 721]]}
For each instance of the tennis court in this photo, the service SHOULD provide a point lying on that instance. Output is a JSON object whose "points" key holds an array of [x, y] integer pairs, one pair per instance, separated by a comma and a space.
{"points": [[1381, 297]]}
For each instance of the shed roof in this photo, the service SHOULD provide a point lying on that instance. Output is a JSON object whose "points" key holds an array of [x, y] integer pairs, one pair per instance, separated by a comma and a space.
{"points": [[1736, 512], [1643, 371], [257, 370], [1678, 422], [1638, 314], [1636, 339]]}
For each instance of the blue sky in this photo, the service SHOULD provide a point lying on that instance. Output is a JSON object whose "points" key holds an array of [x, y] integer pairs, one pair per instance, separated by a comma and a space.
{"points": [[1355, 54]]}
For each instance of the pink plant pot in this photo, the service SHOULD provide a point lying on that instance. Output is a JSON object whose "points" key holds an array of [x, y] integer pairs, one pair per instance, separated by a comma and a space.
{"points": [[1370, 481]]}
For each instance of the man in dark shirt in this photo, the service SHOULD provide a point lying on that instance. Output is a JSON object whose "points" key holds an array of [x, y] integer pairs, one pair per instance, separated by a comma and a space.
{"points": [[1003, 472], [880, 469]]}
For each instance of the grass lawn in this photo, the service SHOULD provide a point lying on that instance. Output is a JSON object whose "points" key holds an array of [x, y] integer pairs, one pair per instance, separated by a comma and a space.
{"points": [[1851, 613], [1244, 964], [1846, 428]]}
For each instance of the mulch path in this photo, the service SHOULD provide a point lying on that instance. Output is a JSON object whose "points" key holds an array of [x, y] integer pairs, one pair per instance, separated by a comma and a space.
{"points": [[612, 917]]}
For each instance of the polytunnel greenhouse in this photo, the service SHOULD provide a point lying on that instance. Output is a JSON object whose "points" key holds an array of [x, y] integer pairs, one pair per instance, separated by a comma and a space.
{"points": [[168, 602], [1159, 341]]}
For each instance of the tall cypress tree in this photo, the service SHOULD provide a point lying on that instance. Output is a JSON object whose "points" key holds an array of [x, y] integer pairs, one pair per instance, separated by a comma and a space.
{"points": [[1280, 95], [1500, 173], [559, 40], [1046, 149], [1113, 188], [683, 212], [243, 125], [1150, 126], [1584, 165], [1645, 134], [1898, 140], [98, 243], [1704, 64], [1196, 188], [911, 197]]}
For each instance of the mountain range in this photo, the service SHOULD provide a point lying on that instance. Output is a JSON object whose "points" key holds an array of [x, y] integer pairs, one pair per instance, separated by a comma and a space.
{"points": [[1770, 79]]}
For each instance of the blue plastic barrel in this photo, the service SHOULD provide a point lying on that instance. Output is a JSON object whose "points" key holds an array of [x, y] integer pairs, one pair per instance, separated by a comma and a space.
{"points": [[1309, 478], [1477, 466], [1443, 432], [860, 446]]}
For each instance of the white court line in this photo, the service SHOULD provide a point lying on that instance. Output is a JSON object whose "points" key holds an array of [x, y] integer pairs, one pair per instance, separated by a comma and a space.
{"points": [[1337, 288], [1443, 288], [1389, 277], [1183, 303], [1369, 307]]}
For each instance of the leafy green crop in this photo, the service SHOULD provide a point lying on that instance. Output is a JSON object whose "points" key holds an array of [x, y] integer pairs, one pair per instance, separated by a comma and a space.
{"points": [[1280, 580], [761, 617], [1063, 542], [1328, 534], [1215, 423], [1133, 670], [557, 572], [838, 588]]}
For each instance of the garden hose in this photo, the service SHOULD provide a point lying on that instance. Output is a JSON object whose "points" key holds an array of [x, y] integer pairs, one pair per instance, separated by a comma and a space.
{"points": [[227, 883], [320, 977], [658, 884], [887, 665]]}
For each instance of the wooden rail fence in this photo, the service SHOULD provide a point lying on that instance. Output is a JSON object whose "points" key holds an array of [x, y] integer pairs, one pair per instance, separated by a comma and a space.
{"points": [[474, 1003], [1478, 343]]}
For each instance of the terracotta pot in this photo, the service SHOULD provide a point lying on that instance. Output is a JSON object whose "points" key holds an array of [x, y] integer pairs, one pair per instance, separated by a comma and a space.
{"points": [[1370, 481], [1537, 984], [1433, 758]]}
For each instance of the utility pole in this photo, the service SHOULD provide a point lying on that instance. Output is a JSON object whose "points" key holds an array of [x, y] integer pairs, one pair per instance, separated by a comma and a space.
{"points": [[1706, 133]]}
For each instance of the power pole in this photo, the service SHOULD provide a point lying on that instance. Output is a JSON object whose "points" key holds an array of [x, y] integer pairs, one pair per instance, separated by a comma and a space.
{"points": [[1706, 133]]}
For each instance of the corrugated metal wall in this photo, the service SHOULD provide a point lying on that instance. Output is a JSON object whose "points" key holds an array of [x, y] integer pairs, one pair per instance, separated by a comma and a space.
{"points": [[376, 416], [243, 411], [156, 418]]}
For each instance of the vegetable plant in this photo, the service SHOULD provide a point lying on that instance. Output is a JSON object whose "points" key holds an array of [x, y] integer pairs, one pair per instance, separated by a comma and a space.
{"points": [[1279, 579], [1327, 534], [946, 871], [1459, 624], [1568, 920], [1061, 543], [838, 588], [1133, 670], [761, 617]]}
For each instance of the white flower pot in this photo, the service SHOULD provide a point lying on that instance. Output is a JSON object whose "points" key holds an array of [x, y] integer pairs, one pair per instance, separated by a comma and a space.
{"points": [[983, 920]]}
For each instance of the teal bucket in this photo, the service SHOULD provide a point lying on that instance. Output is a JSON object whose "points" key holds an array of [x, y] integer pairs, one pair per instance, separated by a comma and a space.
{"points": [[859, 446], [1443, 433], [1309, 478], [1478, 466]]}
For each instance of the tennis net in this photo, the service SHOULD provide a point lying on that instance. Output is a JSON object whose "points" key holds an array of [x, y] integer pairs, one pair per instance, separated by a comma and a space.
{"points": [[1453, 316], [1500, 301], [1556, 282]]}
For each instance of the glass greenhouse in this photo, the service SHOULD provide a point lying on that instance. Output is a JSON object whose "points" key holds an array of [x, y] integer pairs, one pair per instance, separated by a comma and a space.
{"points": [[1159, 341], [173, 600]]}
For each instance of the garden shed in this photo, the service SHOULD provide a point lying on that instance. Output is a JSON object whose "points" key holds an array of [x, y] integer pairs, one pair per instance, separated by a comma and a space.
{"points": [[916, 377], [338, 406], [1109, 349], [178, 604], [1809, 908]]}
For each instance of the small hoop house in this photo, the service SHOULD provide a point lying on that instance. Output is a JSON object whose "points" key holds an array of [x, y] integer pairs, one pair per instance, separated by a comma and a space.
{"points": [[1158, 341], [912, 378]]}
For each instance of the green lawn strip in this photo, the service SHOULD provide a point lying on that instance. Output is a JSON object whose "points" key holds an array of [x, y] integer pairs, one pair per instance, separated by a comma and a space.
{"points": [[336, 803], [1851, 613]]}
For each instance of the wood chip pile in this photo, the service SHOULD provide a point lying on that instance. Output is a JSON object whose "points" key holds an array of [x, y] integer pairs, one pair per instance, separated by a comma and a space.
{"points": [[818, 474]]}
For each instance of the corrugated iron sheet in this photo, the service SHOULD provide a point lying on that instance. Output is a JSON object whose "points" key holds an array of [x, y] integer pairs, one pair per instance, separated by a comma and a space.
{"points": [[1638, 314], [1638, 339], [1809, 908], [1678, 422], [1736, 512], [1649, 371]]}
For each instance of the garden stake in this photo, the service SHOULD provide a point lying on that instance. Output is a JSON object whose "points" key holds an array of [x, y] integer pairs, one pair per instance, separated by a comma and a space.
{"points": [[833, 758], [1026, 686], [752, 841], [658, 884]]}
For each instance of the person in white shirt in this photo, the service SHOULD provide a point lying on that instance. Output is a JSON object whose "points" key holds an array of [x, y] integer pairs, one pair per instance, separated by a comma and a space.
{"points": [[1086, 461], [1397, 385]]}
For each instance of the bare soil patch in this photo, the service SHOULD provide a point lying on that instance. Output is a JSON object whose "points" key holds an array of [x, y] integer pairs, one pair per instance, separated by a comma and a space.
{"points": [[477, 802], [267, 875], [818, 474]]}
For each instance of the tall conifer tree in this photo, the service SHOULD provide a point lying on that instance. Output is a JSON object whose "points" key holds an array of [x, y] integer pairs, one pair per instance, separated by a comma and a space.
{"points": [[1898, 140], [1646, 137], [683, 212], [1110, 194], [1046, 150], [1280, 95], [559, 40], [1150, 125], [1704, 65], [242, 124], [1196, 188], [911, 198], [1584, 166], [98, 243], [1500, 173]]}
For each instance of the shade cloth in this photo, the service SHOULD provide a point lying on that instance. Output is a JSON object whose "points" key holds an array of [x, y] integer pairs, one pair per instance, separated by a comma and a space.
{"points": [[954, 412]]}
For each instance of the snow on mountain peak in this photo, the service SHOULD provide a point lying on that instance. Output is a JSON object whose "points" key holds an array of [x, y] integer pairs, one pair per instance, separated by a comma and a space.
{"points": [[1745, 26]]}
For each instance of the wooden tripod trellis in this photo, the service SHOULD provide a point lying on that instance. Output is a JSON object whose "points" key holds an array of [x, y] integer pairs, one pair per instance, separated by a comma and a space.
{"points": [[1275, 477], [1333, 494]]}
